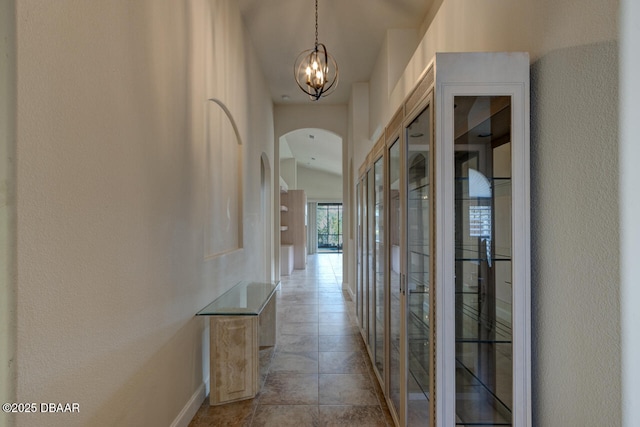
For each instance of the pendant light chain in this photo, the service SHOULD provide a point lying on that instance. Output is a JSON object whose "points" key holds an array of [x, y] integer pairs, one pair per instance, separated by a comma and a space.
{"points": [[316, 23]]}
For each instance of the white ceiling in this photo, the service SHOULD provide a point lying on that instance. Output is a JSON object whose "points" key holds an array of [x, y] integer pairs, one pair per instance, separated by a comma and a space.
{"points": [[313, 149], [352, 30]]}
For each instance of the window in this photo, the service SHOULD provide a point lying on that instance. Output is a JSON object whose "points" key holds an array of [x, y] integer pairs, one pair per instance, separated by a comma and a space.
{"points": [[329, 225], [480, 221]]}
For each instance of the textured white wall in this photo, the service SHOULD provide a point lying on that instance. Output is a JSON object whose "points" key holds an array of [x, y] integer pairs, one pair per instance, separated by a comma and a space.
{"points": [[461, 26], [575, 239], [289, 172], [576, 309], [630, 209], [359, 125], [378, 94], [402, 44], [110, 172], [7, 206], [395, 53], [320, 186], [329, 117], [575, 272]]}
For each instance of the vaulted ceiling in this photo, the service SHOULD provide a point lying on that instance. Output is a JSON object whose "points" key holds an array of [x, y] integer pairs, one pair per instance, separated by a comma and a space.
{"points": [[352, 30]]}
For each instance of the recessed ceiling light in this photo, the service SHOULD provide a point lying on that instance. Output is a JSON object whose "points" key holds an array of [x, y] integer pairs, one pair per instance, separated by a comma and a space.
{"points": [[285, 97]]}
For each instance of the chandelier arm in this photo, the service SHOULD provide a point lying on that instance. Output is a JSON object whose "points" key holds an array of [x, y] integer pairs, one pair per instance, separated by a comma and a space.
{"points": [[313, 95], [326, 59], [327, 89], [296, 72]]}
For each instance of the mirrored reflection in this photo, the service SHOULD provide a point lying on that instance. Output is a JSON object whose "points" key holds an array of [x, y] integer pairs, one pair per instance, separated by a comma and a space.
{"points": [[483, 285], [371, 270], [419, 333], [359, 254], [394, 274], [380, 294]]}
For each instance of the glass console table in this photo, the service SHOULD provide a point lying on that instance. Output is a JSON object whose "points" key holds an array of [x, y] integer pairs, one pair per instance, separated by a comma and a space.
{"points": [[242, 320]]}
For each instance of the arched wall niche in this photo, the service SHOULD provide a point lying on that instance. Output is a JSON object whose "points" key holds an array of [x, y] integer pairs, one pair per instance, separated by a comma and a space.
{"points": [[266, 207], [224, 188]]}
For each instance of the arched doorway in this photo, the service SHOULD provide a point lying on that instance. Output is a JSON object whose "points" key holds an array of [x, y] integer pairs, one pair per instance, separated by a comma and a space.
{"points": [[265, 211], [310, 159]]}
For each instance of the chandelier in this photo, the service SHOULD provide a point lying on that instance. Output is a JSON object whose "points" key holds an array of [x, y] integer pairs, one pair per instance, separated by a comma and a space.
{"points": [[315, 70]]}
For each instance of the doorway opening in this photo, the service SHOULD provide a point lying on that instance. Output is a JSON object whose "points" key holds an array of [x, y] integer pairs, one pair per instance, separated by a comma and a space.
{"points": [[329, 227]]}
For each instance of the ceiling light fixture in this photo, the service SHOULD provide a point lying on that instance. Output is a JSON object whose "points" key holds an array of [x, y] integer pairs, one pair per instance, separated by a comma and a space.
{"points": [[315, 70]]}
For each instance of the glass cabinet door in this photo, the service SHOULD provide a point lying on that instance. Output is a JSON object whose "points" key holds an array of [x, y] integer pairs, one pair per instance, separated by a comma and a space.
{"points": [[393, 184], [371, 270], [380, 293], [418, 137], [359, 253], [365, 260], [443, 274], [482, 241]]}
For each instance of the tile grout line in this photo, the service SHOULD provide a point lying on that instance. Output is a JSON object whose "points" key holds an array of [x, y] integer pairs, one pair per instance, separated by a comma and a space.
{"points": [[341, 323]]}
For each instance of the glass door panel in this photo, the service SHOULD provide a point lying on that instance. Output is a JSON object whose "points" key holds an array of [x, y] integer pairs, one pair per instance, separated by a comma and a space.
{"points": [[371, 271], [359, 253], [365, 259], [418, 288], [483, 319], [394, 275], [380, 299]]}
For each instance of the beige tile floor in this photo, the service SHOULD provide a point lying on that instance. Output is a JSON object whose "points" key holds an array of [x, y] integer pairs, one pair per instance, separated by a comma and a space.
{"points": [[319, 373]]}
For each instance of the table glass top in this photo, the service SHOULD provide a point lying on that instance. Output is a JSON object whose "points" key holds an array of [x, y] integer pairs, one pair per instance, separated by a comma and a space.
{"points": [[243, 299]]}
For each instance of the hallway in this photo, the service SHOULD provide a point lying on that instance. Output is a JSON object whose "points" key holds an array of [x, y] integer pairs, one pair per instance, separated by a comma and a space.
{"points": [[319, 373]]}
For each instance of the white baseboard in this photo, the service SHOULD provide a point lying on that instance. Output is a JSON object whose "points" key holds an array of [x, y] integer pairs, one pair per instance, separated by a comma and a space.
{"points": [[189, 411], [346, 286]]}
